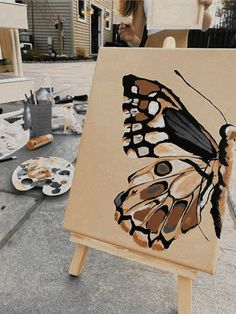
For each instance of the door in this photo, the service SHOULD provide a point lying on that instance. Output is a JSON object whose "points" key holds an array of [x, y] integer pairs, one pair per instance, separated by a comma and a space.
{"points": [[96, 29]]}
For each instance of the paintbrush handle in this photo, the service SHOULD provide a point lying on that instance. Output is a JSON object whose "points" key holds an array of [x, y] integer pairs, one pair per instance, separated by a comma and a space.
{"points": [[7, 159]]}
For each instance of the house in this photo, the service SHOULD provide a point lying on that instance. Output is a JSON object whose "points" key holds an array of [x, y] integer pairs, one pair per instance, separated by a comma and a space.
{"points": [[72, 25], [13, 84]]}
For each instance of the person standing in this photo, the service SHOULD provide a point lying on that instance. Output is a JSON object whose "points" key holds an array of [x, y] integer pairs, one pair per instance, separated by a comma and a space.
{"points": [[132, 33]]}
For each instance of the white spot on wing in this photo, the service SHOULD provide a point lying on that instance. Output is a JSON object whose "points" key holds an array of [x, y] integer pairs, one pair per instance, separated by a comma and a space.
{"points": [[142, 179], [134, 111], [127, 128], [153, 236], [153, 107], [127, 114], [152, 94], [136, 126], [134, 89], [126, 141], [155, 137], [131, 153], [143, 151], [137, 139]]}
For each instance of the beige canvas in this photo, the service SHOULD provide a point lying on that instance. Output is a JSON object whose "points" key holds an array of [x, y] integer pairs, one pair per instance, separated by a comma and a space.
{"points": [[175, 14], [152, 166]]}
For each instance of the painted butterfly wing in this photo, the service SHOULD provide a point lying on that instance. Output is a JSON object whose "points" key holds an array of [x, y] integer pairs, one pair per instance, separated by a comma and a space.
{"points": [[157, 123], [158, 207], [164, 200]]}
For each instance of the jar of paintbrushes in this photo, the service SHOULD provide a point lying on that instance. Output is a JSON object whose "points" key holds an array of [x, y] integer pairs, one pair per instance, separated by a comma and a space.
{"points": [[38, 115]]}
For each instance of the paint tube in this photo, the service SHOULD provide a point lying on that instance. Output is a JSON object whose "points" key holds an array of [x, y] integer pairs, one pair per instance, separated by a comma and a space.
{"points": [[39, 141]]}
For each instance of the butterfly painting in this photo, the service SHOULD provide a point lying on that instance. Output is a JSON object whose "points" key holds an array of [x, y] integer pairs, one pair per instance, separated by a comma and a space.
{"points": [[190, 170]]}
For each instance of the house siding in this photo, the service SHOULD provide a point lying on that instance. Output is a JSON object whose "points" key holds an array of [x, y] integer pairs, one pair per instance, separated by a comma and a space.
{"points": [[82, 35], [81, 30], [77, 33], [44, 24]]}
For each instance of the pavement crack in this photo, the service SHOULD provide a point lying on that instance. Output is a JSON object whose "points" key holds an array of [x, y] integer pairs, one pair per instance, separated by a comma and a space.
{"points": [[223, 249], [232, 209], [27, 215], [32, 195]]}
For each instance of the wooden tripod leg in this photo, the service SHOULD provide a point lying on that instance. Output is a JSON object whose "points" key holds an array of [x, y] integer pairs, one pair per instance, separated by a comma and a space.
{"points": [[78, 260], [184, 295]]}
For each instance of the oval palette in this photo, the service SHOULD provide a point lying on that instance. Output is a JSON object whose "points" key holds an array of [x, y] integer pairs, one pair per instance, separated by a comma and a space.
{"points": [[54, 175]]}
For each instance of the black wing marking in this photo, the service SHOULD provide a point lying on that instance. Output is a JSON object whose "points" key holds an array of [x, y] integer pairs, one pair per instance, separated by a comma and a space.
{"points": [[187, 134], [170, 123]]}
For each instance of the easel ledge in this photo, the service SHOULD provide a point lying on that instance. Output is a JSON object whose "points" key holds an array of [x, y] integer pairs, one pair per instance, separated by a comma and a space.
{"points": [[185, 274], [83, 243]]}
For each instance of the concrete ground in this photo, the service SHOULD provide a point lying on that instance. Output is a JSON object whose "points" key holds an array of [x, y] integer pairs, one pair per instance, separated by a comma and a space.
{"points": [[35, 252]]}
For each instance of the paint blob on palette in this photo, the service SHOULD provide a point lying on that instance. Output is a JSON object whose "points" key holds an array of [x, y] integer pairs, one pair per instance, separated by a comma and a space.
{"points": [[54, 175]]}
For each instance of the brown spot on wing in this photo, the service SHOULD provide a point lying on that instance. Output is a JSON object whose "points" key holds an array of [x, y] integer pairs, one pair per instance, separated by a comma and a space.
{"points": [[153, 190], [190, 219], [158, 246], [140, 117], [175, 216], [143, 104], [141, 214], [125, 225], [156, 220], [139, 239], [116, 216], [146, 87]]}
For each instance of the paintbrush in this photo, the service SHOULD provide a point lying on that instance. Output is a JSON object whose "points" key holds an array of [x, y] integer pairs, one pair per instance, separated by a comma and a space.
{"points": [[33, 97], [27, 99], [8, 158]]}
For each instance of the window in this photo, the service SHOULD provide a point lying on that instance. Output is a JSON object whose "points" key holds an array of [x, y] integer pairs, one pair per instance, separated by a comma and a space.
{"points": [[82, 10], [107, 20]]}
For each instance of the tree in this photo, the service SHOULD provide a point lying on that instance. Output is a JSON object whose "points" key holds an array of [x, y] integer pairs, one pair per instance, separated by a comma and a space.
{"points": [[227, 13]]}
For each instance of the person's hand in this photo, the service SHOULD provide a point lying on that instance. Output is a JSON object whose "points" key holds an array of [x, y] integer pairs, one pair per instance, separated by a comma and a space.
{"points": [[126, 32], [206, 3]]}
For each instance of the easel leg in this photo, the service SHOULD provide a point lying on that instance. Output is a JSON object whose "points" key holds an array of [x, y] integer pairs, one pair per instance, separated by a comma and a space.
{"points": [[78, 260], [184, 295]]}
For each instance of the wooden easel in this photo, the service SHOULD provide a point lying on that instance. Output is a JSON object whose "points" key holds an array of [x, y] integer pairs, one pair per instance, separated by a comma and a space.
{"points": [[185, 274]]}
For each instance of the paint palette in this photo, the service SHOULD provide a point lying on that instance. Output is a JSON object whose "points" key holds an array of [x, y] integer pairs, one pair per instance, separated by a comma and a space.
{"points": [[54, 175]]}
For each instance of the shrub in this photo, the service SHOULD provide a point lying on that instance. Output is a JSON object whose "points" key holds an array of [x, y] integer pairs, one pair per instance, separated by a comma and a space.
{"points": [[33, 55], [81, 52]]}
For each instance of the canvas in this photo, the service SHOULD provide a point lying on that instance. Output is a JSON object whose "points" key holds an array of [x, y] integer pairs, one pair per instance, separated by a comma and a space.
{"points": [[175, 14], [156, 153]]}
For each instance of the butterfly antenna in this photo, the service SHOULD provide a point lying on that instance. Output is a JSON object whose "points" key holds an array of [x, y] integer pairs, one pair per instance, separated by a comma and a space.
{"points": [[177, 72]]}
